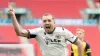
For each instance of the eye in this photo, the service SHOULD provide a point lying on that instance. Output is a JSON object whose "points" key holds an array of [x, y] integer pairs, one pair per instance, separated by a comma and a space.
{"points": [[44, 21], [49, 20]]}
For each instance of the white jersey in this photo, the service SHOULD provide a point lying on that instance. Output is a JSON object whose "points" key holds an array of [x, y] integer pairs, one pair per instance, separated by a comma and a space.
{"points": [[53, 44]]}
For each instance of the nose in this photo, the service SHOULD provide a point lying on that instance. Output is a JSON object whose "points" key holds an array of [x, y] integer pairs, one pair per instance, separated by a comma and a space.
{"points": [[47, 22]]}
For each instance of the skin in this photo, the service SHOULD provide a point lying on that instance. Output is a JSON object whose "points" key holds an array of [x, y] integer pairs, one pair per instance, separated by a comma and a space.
{"points": [[48, 25], [80, 34]]}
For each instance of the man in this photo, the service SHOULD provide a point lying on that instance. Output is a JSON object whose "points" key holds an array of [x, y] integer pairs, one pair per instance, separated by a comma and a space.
{"points": [[52, 40], [87, 50]]}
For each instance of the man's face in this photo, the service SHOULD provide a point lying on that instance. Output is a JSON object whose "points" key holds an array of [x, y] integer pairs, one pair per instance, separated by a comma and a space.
{"points": [[48, 23], [80, 35]]}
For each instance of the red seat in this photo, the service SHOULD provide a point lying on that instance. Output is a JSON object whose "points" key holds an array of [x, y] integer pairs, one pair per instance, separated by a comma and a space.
{"points": [[4, 3], [59, 8]]}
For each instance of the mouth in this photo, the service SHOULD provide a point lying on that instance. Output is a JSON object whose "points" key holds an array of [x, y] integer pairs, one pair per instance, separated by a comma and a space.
{"points": [[48, 29], [47, 26]]}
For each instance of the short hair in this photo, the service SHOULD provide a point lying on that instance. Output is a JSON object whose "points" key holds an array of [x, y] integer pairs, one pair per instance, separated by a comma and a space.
{"points": [[79, 29], [46, 14]]}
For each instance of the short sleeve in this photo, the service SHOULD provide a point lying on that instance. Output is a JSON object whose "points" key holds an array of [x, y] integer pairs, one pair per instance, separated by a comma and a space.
{"points": [[32, 33], [69, 36]]}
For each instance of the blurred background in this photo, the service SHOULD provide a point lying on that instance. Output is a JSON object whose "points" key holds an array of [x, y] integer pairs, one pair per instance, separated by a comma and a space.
{"points": [[71, 14]]}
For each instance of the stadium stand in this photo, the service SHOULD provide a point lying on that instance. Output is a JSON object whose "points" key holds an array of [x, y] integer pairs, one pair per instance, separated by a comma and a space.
{"points": [[4, 3], [61, 8], [8, 35]]}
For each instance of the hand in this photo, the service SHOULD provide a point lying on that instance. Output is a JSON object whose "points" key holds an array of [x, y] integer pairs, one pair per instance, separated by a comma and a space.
{"points": [[11, 10]]}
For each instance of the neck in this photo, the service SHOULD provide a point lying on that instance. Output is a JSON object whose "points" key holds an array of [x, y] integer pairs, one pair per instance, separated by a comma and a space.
{"points": [[82, 40]]}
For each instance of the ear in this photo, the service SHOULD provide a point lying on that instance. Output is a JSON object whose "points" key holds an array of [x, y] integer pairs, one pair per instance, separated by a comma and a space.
{"points": [[54, 21]]}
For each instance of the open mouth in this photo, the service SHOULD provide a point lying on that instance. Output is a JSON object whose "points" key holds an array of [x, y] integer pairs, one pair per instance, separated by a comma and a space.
{"points": [[47, 26]]}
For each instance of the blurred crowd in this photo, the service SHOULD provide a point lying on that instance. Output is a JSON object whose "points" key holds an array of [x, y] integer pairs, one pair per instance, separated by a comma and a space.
{"points": [[93, 5]]}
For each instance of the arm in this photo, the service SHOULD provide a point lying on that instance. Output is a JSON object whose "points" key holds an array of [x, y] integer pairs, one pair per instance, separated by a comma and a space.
{"points": [[18, 29], [80, 47], [73, 39]]}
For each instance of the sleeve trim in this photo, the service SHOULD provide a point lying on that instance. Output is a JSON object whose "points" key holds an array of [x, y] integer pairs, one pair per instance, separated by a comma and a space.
{"points": [[30, 35], [75, 40]]}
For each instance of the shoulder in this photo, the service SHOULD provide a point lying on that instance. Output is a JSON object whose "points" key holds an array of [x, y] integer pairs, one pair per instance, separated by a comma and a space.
{"points": [[73, 46], [87, 45], [87, 48], [60, 29], [63, 31]]}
